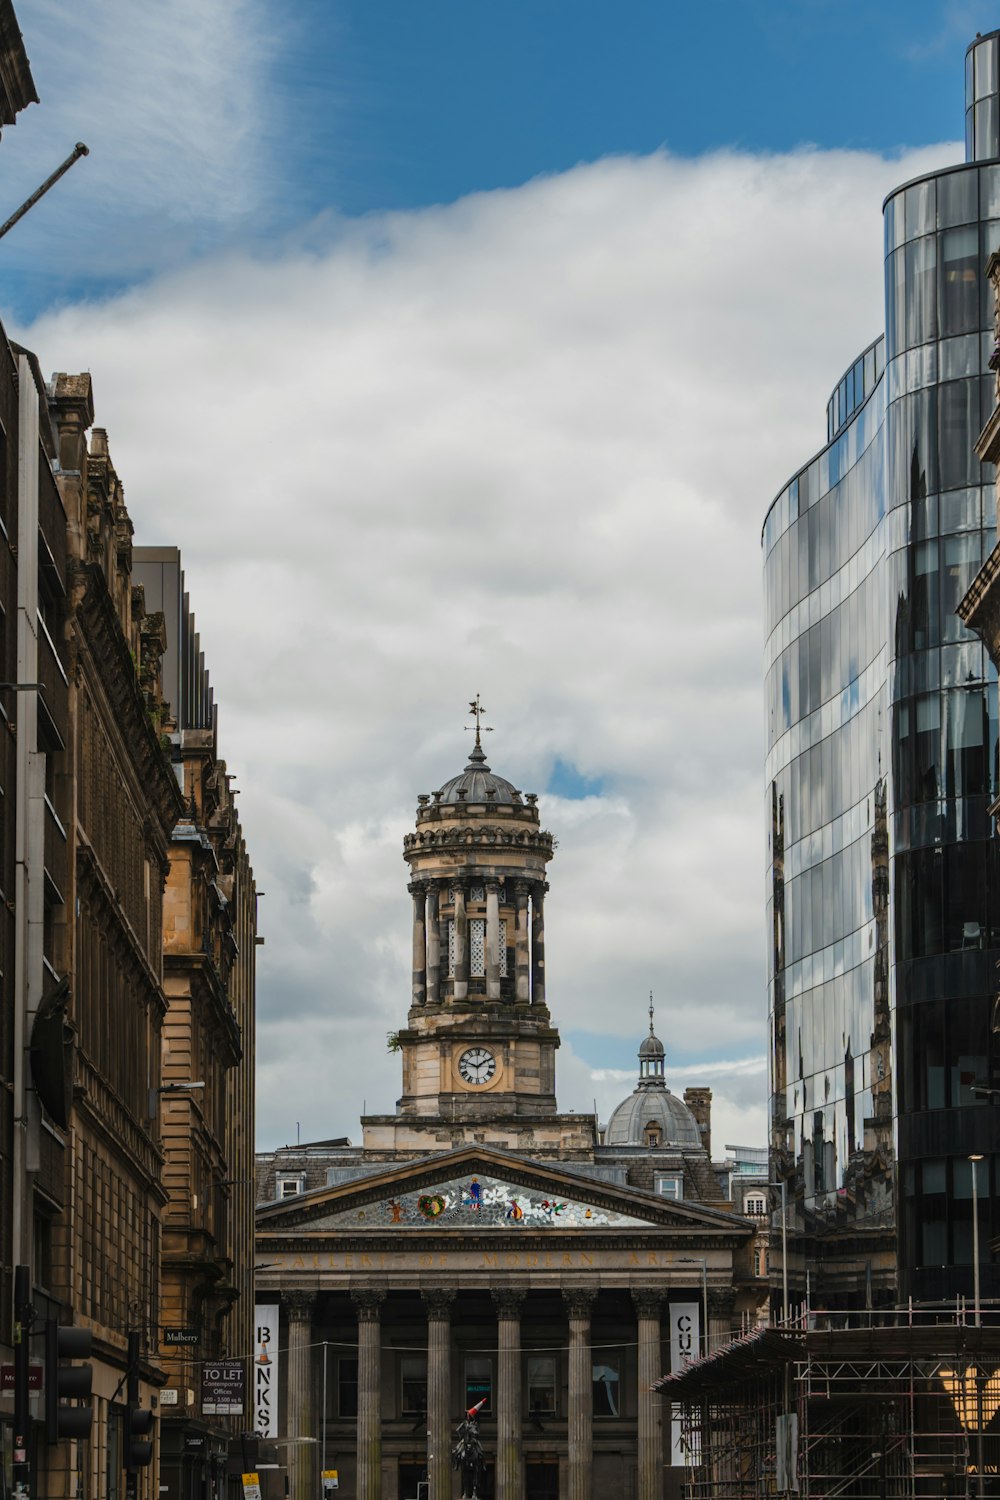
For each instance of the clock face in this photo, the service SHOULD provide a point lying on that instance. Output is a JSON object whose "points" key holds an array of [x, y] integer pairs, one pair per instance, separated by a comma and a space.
{"points": [[477, 1065]]}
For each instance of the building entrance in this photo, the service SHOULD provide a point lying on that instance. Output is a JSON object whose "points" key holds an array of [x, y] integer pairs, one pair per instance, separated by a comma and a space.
{"points": [[541, 1481]]}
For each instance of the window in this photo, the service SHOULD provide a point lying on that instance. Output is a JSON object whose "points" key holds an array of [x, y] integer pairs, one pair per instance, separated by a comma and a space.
{"points": [[606, 1378], [542, 1384], [653, 1135], [477, 947], [670, 1187], [760, 1261], [479, 1383], [754, 1207], [347, 1387], [413, 1384], [477, 893], [290, 1185]]}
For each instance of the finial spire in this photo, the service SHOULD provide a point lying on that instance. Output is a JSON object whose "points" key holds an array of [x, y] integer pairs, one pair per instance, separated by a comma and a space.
{"points": [[651, 1012], [477, 710]]}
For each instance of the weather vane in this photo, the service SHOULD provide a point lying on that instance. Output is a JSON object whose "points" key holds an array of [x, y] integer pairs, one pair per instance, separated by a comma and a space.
{"points": [[651, 1012], [477, 710]]}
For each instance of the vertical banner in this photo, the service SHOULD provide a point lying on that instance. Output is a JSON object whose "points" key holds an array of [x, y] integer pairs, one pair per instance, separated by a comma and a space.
{"points": [[685, 1346], [265, 1370]]}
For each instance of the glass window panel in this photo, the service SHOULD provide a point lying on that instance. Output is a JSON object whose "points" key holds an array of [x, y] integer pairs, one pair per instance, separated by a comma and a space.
{"points": [[933, 1177], [413, 1384], [606, 1386], [869, 376], [347, 1387], [968, 77], [958, 198], [541, 1384], [921, 208], [479, 1383], [958, 357], [958, 428], [961, 559], [960, 510], [970, 139], [960, 276], [985, 68], [920, 303], [986, 128], [895, 223]]}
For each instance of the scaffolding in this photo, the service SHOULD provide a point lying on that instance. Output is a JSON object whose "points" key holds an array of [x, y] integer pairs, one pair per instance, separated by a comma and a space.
{"points": [[900, 1408]]}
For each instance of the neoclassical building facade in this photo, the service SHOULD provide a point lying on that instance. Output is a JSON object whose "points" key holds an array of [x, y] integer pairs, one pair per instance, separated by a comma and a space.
{"points": [[480, 1246]]}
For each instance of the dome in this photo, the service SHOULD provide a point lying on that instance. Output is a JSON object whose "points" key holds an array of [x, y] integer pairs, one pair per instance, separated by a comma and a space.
{"points": [[477, 783], [652, 1047], [652, 1106]]}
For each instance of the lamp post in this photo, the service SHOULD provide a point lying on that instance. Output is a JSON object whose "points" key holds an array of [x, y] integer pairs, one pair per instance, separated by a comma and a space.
{"points": [[699, 1260], [974, 1161]]}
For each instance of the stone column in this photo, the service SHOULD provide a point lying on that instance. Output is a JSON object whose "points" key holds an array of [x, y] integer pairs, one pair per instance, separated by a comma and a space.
{"points": [[538, 942], [522, 962], [298, 1308], [492, 940], [461, 983], [509, 1485], [580, 1428], [368, 1301], [418, 890], [438, 1303], [431, 921], [650, 1426]]}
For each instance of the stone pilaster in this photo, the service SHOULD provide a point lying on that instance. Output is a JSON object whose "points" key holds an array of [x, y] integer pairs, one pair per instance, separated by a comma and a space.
{"points": [[721, 1302], [298, 1308], [460, 988], [538, 890], [431, 920], [438, 1303], [492, 940], [368, 1302], [650, 1405], [418, 890], [510, 1467], [580, 1427], [522, 960]]}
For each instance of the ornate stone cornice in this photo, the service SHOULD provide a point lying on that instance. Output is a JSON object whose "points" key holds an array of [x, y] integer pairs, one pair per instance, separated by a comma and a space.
{"points": [[579, 1300], [298, 1306], [648, 1301], [438, 1301], [508, 1300], [367, 1301]]}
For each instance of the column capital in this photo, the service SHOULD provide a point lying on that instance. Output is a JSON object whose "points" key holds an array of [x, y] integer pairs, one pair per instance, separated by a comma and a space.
{"points": [[492, 884], [508, 1300], [298, 1305], [522, 889], [438, 1301], [721, 1301], [579, 1300], [418, 887], [648, 1301], [367, 1302]]}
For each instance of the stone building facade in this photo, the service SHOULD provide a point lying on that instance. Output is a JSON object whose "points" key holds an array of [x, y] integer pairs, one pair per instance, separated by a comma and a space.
{"points": [[210, 935], [481, 1245]]}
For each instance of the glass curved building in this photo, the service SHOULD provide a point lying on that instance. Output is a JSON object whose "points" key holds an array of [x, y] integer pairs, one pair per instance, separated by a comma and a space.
{"points": [[883, 880]]}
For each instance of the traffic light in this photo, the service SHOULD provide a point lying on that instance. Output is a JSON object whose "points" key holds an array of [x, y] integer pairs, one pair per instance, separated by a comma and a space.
{"points": [[64, 1382], [138, 1419]]}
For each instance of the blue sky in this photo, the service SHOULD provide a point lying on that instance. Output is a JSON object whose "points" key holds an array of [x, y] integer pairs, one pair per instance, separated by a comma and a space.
{"points": [[423, 327], [356, 107]]}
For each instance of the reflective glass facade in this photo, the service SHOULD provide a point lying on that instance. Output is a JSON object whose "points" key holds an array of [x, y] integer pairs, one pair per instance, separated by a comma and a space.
{"points": [[883, 880]]}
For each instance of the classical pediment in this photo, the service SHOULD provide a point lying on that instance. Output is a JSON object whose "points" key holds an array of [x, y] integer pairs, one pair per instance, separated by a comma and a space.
{"points": [[479, 1190]]}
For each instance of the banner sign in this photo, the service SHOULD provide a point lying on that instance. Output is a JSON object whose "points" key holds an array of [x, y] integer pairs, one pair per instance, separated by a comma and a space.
{"points": [[265, 1370], [222, 1389], [685, 1345]]}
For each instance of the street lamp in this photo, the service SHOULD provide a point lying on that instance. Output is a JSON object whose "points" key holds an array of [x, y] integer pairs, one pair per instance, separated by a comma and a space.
{"points": [[171, 1088], [699, 1260]]}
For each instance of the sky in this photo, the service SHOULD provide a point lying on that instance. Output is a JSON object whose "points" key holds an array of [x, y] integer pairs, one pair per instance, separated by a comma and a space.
{"points": [[462, 348]]}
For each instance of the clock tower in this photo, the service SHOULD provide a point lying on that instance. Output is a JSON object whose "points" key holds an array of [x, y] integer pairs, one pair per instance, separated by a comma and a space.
{"points": [[479, 1047]]}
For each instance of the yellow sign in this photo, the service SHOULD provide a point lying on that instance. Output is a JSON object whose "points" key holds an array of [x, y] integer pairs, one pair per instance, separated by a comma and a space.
{"points": [[251, 1487], [330, 1479]]}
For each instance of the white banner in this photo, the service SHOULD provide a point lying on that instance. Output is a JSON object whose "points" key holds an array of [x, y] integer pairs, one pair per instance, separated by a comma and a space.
{"points": [[265, 1370], [685, 1345]]}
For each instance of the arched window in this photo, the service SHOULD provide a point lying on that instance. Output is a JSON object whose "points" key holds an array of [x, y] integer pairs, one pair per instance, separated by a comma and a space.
{"points": [[653, 1135]]}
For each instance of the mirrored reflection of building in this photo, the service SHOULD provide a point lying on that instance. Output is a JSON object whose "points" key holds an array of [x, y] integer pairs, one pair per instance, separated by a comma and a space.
{"points": [[883, 888]]}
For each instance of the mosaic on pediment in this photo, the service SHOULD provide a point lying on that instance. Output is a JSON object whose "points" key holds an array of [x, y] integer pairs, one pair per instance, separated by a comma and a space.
{"points": [[477, 1202]]}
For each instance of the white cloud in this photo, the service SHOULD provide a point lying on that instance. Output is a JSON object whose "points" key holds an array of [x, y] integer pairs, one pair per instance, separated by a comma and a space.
{"points": [[523, 445]]}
